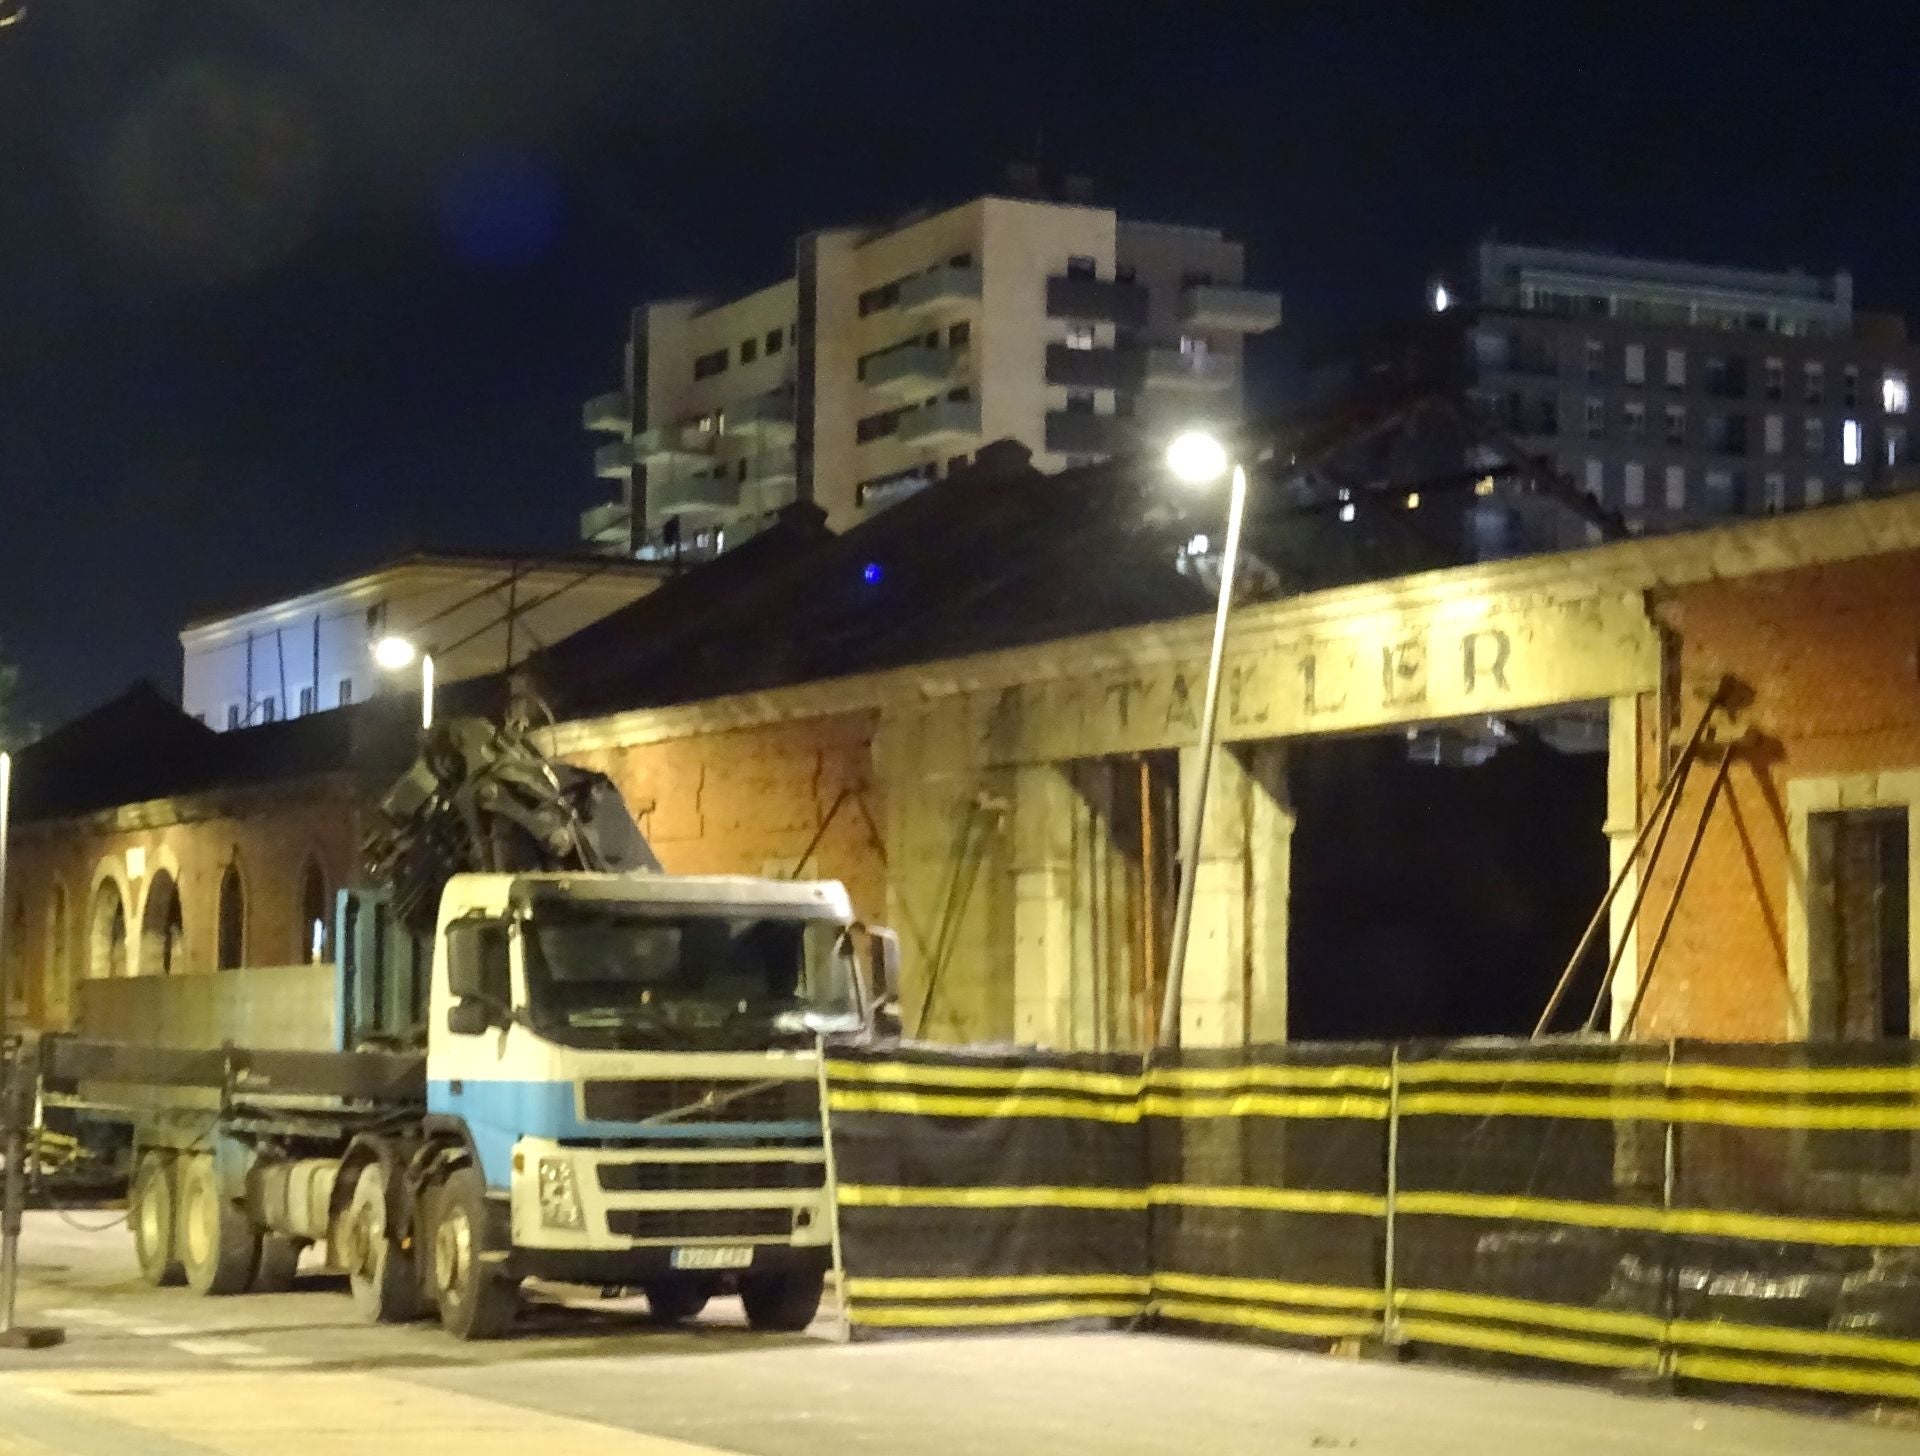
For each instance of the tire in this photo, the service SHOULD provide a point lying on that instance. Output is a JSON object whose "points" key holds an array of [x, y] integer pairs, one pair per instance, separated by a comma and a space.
{"points": [[782, 1302], [150, 1215], [675, 1301], [381, 1276], [475, 1302], [279, 1261], [218, 1244]]}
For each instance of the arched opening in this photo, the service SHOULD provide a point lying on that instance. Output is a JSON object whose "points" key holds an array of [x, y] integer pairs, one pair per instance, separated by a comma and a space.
{"points": [[161, 928], [57, 969], [316, 925], [233, 919], [107, 932]]}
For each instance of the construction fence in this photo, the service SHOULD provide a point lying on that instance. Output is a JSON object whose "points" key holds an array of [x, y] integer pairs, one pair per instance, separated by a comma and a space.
{"points": [[1746, 1214]]}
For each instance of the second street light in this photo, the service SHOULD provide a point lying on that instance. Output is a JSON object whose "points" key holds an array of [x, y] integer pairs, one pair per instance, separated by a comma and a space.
{"points": [[1197, 458], [397, 654]]}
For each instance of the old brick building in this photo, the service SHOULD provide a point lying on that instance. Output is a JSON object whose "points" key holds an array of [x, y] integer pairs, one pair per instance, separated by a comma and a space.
{"points": [[976, 710]]}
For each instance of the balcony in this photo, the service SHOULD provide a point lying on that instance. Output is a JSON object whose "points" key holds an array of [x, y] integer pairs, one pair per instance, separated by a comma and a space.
{"points": [[940, 291], [1079, 432], [613, 460], [941, 422], [668, 443], [1093, 368], [692, 494], [913, 370], [766, 417], [1174, 369], [608, 527], [610, 414], [1232, 310], [1095, 300]]}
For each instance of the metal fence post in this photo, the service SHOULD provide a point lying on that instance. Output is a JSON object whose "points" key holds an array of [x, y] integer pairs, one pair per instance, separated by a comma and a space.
{"points": [[831, 1168], [1670, 1285], [1390, 1316]]}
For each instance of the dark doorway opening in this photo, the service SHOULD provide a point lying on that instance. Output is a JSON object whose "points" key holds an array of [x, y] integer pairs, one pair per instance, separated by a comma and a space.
{"points": [[1440, 882]]}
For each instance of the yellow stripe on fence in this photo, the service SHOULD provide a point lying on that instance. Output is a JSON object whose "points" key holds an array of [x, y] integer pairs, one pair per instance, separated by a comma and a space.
{"points": [[1018, 1079], [1261, 1104], [956, 1104], [1518, 1342], [1029, 1312], [1372, 1079], [1701, 1075], [1271, 1291], [1004, 1286], [1844, 1118], [1280, 1200], [871, 1195], [1281, 1321], [1785, 1228], [1842, 1379], [1528, 1311]]}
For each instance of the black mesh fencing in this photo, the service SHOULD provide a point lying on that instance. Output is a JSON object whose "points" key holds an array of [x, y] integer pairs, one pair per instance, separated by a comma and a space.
{"points": [[1743, 1214]]}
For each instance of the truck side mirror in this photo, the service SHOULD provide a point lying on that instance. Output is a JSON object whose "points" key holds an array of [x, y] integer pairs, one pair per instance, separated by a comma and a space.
{"points": [[477, 975], [469, 1017], [884, 949]]}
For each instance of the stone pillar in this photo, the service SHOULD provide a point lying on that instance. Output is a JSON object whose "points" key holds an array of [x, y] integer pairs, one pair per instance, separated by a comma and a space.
{"points": [[1622, 826], [1213, 992], [1270, 821], [1045, 810]]}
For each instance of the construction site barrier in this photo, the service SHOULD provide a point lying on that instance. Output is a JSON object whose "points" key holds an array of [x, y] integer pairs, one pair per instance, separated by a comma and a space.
{"points": [[1743, 1214]]}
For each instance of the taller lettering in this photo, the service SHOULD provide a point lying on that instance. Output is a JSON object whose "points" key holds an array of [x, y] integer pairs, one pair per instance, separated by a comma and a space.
{"points": [[1484, 654]]}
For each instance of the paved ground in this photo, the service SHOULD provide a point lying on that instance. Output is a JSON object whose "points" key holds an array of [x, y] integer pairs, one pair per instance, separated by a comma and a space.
{"points": [[162, 1373]]}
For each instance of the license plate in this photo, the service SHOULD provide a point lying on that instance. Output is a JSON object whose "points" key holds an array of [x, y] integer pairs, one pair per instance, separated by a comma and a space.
{"points": [[723, 1256]]}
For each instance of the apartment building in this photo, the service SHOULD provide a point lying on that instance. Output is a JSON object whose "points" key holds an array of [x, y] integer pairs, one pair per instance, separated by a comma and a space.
{"points": [[893, 353], [1671, 393], [312, 650]]}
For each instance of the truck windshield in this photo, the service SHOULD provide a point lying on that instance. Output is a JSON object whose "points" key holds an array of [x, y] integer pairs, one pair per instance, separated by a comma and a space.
{"points": [[682, 977]]}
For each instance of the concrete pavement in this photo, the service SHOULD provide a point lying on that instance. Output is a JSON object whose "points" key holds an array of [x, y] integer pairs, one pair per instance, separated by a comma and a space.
{"points": [[162, 1373]]}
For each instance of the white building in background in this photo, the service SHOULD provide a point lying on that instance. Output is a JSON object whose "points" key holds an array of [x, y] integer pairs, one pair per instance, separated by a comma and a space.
{"points": [[312, 652], [892, 353]]}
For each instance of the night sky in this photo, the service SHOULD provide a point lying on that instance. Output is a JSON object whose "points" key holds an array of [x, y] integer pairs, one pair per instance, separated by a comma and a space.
{"points": [[288, 287]]}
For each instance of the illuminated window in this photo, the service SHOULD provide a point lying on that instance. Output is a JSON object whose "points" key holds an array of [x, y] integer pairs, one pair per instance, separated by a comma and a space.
{"points": [[1893, 392], [1634, 362], [1850, 442], [1775, 434], [1776, 492], [1676, 368], [1816, 490], [1676, 487], [1633, 485], [1080, 336], [1596, 477]]}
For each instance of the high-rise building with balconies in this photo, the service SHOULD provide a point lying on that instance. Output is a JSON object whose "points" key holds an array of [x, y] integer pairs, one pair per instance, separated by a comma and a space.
{"points": [[893, 353]]}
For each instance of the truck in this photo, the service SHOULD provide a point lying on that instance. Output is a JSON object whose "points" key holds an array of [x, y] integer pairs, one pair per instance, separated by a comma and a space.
{"points": [[610, 1077]]}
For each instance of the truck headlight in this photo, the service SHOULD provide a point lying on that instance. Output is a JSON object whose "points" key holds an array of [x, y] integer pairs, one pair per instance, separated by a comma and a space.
{"points": [[559, 1197]]}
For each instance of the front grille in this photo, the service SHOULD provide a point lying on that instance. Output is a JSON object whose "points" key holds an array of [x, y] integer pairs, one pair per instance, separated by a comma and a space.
{"points": [[636, 1100], [700, 1223], [650, 1177]]}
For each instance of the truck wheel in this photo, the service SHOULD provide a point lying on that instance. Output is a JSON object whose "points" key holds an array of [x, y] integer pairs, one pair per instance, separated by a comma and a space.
{"points": [[673, 1301], [279, 1259], [785, 1301], [150, 1212], [380, 1274], [475, 1302], [219, 1246]]}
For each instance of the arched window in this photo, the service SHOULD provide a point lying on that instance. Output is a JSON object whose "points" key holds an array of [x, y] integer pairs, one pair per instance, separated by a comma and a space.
{"points": [[107, 932], [316, 923], [233, 919], [161, 928]]}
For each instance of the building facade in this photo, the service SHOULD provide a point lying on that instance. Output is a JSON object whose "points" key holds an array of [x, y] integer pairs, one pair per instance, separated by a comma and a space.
{"points": [[1671, 393], [891, 354], [313, 651]]}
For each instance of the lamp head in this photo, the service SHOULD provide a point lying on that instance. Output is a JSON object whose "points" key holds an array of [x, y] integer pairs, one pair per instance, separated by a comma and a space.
{"points": [[394, 653], [1196, 458]]}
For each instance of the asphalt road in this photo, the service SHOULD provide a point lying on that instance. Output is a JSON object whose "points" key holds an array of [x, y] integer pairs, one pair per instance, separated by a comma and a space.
{"points": [[162, 1373]]}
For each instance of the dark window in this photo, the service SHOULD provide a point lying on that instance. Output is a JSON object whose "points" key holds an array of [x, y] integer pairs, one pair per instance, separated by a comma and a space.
{"points": [[708, 365], [1079, 402], [1850, 385], [959, 334], [1727, 378], [960, 260], [232, 937], [1125, 273], [749, 350], [875, 299], [957, 462], [1857, 945], [775, 341], [1196, 278], [346, 691], [741, 470], [874, 426], [960, 395], [1081, 266]]}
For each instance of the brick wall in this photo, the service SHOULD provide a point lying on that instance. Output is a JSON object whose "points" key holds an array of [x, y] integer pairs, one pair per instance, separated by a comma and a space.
{"points": [[1832, 656], [59, 867], [748, 801]]}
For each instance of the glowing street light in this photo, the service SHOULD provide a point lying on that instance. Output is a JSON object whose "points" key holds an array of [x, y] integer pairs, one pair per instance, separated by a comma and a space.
{"points": [[1197, 458], [396, 654]]}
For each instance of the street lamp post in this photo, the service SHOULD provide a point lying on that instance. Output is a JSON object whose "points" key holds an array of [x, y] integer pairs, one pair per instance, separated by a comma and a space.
{"points": [[396, 654], [1197, 458]]}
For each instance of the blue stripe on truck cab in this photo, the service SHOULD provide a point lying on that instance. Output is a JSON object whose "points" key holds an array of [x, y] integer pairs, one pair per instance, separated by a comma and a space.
{"points": [[499, 1114]]}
